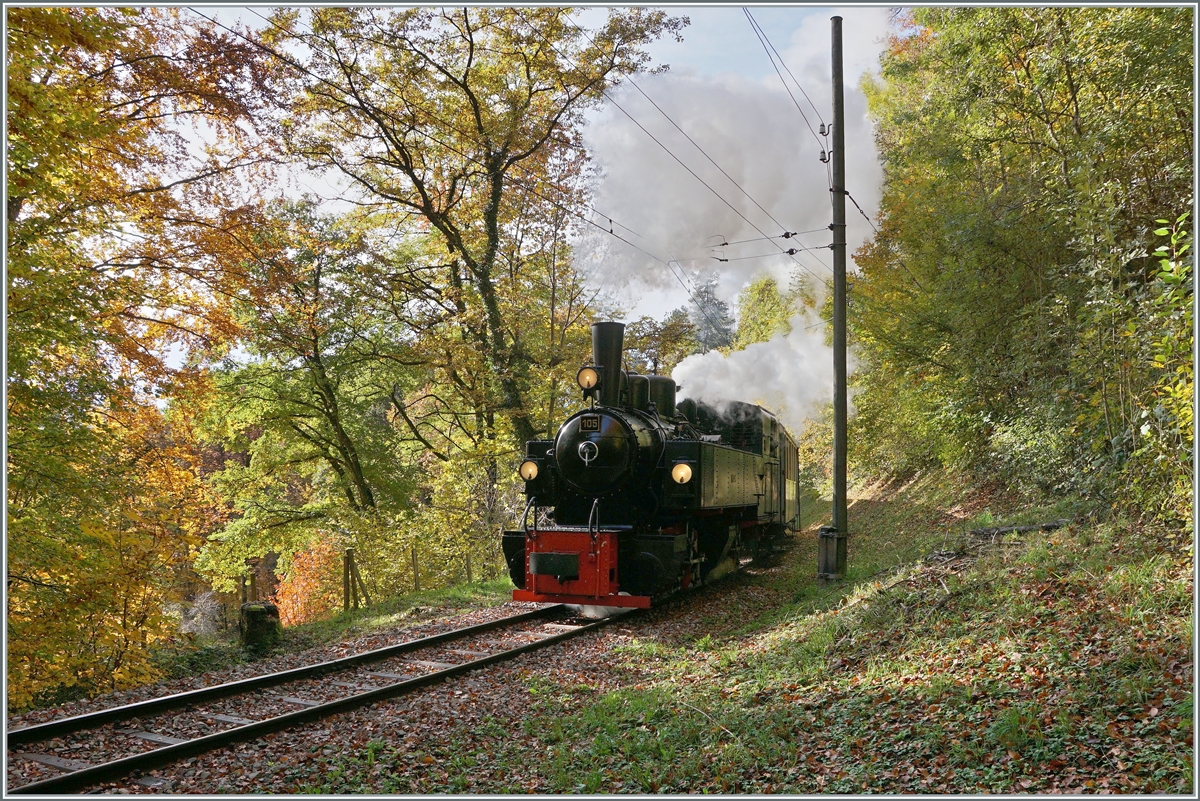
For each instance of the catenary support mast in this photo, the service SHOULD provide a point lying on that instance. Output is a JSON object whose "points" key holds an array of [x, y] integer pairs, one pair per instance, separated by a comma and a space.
{"points": [[831, 555]]}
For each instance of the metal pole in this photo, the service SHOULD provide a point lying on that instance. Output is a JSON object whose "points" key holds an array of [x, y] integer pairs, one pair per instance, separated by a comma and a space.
{"points": [[832, 551]]}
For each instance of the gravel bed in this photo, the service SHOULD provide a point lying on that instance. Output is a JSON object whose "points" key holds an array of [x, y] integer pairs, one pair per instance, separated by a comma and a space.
{"points": [[367, 642], [446, 718], [98, 745], [102, 744]]}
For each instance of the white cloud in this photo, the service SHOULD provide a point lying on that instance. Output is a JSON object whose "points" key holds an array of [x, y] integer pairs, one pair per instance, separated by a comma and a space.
{"points": [[752, 129]]}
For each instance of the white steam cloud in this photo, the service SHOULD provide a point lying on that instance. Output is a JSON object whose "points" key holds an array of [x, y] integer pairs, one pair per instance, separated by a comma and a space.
{"points": [[750, 128], [791, 375]]}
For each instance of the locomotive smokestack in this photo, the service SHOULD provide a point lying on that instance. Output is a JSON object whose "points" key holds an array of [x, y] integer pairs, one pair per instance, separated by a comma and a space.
{"points": [[608, 342]]}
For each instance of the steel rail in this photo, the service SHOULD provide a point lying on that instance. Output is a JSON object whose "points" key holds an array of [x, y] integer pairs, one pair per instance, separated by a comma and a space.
{"points": [[110, 771], [91, 720]]}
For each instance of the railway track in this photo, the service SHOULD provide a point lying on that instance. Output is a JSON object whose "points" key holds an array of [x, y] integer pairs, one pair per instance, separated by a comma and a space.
{"points": [[150, 734]]}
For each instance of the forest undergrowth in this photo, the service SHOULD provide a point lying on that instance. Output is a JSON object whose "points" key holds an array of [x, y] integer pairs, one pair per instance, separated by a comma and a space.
{"points": [[1039, 662], [949, 662], [955, 657], [184, 657]]}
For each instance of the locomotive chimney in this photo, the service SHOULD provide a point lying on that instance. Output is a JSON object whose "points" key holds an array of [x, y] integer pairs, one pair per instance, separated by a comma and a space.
{"points": [[608, 341]]}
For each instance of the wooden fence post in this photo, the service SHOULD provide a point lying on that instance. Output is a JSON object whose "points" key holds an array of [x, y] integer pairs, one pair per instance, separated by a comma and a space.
{"points": [[353, 578], [346, 581], [469, 579], [359, 585], [416, 571]]}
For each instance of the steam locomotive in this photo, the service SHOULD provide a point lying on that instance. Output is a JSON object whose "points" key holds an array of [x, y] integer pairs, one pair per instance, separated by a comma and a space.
{"points": [[638, 497]]}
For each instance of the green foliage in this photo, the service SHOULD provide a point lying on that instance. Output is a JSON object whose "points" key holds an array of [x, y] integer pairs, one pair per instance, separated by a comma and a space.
{"points": [[1022, 667], [487, 160], [1156, 428], [308, 411], [714, 327], [763, 312], [654, 347], [360, 380], [401, 355], [1010, 314], [109, 265], [1017, 728]]}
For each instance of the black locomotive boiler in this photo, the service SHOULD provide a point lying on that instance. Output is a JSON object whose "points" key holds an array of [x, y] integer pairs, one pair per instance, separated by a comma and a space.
{"points": [[638, 497]]}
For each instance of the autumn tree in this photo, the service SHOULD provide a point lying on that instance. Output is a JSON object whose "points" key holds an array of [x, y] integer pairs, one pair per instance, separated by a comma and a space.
{"points": [[763, 312], [469, 122], [656, 347], [460, 134], [711, 317], [308, 397], [1007, 301], [110, 238]]}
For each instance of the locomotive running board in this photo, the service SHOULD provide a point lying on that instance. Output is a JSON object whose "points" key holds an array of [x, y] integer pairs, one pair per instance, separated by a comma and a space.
{"points": [[626, 601]]}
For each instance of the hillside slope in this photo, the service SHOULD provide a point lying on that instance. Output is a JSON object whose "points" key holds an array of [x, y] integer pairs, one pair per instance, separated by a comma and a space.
{"points": [[1037, 662]]}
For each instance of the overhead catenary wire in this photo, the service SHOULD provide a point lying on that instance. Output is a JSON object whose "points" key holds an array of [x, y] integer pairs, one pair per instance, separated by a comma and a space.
{"points": [[765, 40], [705, 154], [860, 211], [517, 165], [799, 86], [408, 102], [557, 204], [784, 235], [668, 151], [706, 185], [790, 251], [762, 38]]}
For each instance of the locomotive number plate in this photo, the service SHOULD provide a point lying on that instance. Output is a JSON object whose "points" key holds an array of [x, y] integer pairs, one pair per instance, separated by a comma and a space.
{"points": [[590, 422]]}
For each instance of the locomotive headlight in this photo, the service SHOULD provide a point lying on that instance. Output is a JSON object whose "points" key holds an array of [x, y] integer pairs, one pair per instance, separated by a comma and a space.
{"points": [[588, 377], [529, 470], [682, 473]]}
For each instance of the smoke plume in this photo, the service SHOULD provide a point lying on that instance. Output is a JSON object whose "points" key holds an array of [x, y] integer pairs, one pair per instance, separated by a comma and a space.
{"points": [[752, 129], [790, 375]]}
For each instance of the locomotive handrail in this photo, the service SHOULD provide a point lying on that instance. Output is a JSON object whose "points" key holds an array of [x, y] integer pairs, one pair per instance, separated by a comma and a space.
{"points": [[525, 514], [595, 513]]}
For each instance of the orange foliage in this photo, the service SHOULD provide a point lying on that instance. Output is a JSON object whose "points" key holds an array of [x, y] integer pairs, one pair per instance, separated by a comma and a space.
{"points": [[312, 587]]}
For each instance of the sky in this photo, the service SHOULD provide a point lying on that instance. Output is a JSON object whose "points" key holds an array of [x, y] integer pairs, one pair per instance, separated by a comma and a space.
{"points": [[723, 91], [757, 173]]}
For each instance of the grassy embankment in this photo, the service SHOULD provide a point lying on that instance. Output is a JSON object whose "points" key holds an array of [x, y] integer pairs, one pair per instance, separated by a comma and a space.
{"points": [[946, 662]]}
